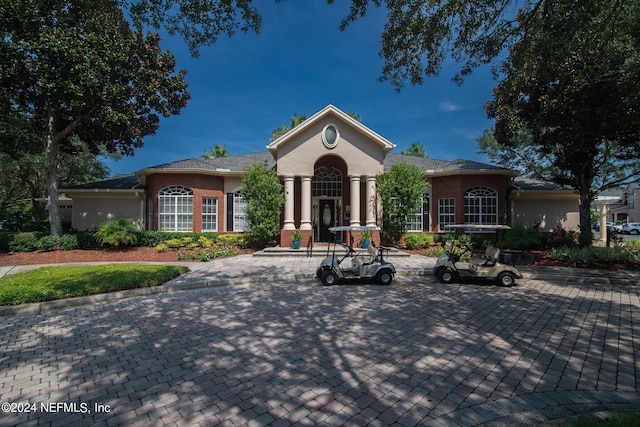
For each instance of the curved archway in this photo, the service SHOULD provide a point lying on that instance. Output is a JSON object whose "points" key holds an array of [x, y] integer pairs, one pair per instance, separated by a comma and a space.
{"points": [[329, 191]]}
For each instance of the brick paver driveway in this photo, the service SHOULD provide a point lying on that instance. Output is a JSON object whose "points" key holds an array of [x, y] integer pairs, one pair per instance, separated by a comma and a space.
{"points": [[413, 353]]}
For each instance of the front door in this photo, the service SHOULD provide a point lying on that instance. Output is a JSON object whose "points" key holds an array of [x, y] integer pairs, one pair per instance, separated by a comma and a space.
{"points": [[327, 218]]}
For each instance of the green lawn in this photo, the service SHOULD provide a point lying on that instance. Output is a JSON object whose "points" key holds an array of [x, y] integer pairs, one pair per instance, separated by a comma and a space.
{"points": [[51, 283]]}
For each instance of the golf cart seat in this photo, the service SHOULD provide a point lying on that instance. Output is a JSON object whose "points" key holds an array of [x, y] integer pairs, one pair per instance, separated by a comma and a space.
{"points": [[491, 256], [364, 259]]}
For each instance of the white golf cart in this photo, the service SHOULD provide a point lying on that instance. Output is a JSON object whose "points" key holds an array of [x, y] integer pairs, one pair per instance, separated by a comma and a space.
{"points": [[354, 266], [487, 267]]}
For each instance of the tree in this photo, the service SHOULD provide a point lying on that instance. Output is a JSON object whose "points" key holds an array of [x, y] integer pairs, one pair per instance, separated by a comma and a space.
{"points": [[215, 152], [577, 98], [296, 119], [400, 191], [520, 155], [75, 68], [264, 197], [199, 22], [25, 176], [416, 150]]}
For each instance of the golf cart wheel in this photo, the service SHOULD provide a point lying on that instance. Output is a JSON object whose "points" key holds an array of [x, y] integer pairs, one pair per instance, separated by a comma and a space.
{"points": [[384, 277], [633, 231], [329, 278], [445, 275], [506, 279]]}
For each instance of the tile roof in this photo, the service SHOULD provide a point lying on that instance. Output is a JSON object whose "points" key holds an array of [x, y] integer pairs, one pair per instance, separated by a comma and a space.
{"points": [[522, 183], [128, 182], [236, 163], [427, 164]]}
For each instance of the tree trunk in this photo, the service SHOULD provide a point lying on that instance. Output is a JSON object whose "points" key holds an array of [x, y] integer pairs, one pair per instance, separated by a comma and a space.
{"points": [[55, 223], [586, 238]]}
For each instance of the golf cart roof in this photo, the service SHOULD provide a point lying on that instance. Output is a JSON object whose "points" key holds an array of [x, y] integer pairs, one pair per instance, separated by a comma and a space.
{"points": [[353, 228], [480, 226]]}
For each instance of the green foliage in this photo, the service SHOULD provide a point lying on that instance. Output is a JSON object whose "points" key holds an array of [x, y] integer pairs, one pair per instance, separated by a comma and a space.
{"points": [[5, 238], [463, 246], [296, 119], [521, 239], [65, 242], [81, 73], [416, 150], [596, 256], [264, 196], [238, 240], [52, 283], [400, 191], [297, 235], [215, 152], [199, 23], [117, 232], [205, 254], [571, 83], [24, 242], [418, 240]]}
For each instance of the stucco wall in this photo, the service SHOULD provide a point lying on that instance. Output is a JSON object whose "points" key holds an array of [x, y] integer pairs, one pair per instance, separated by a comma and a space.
{"points": [[298, 156], [546, 212], [90, 212]]}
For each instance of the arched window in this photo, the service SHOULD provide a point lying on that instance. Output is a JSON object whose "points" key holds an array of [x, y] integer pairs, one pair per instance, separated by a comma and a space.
{"points": [[327, 182], [175, 209], [480, 206]]}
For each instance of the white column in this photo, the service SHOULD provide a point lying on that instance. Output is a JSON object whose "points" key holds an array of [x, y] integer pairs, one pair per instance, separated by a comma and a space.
{"points": [[355, 199], [603, 222], [371, 201], [305, 206], [288, 203]]}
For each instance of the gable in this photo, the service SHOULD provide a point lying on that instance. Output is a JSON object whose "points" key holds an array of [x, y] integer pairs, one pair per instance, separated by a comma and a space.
{"points": [[330, 132]]}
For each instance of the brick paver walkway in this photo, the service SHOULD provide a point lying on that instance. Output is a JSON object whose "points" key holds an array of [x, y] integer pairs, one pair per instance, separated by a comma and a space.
{"points": [[415, 353]]}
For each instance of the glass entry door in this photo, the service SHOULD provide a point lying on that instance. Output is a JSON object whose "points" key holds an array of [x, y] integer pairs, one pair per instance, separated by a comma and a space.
{"points": [[326, 214]]}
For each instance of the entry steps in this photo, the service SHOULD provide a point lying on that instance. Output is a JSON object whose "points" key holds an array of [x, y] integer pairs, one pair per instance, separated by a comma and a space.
{"points": [[320, 251]]}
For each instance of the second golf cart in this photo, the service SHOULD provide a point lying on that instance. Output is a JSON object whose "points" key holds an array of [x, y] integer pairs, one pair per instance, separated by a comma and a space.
{"points": [[487, 267], [354, 266]]}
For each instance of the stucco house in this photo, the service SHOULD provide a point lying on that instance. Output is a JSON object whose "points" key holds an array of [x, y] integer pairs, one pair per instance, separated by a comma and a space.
{"points": [[328, 166]]}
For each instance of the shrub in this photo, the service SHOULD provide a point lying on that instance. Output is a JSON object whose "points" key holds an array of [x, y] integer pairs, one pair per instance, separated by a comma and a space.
{"points": [[522, 239], [5, 238], [47, 243], [118, 232], [68, 242], [24, 242], [237, 240], [86, 240], [418, 240], [264, 196], [588, 257], [161, 247]]}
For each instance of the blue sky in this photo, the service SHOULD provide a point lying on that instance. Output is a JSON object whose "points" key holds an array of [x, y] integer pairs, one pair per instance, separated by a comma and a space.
{"points": [[246, 86]]}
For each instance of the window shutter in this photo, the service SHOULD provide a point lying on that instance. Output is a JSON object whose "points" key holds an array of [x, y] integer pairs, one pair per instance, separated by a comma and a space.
{"points": [[425, 215], [229, 211]]}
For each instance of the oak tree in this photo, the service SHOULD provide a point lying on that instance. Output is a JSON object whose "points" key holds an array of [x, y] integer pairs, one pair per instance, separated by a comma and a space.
{"points": [[75, 68]]}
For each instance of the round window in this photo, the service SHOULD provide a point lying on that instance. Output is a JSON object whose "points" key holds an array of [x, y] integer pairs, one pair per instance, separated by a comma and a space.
{"points": [[330, 136]]}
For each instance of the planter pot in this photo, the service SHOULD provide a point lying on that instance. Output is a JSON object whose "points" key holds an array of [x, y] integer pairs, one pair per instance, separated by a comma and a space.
{"points": [[365, 244], [295, 244]]}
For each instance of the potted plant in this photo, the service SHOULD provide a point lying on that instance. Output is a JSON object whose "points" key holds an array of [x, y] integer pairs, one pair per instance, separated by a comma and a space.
{"points": [[365, 239], [296, 236]]}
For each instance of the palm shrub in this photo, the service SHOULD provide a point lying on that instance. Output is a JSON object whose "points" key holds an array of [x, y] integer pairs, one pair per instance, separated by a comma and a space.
{"points": [[117, 232]]}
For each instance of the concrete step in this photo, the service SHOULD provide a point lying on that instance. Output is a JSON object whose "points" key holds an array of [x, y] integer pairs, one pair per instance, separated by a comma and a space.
{"points": [[321, 252]]}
